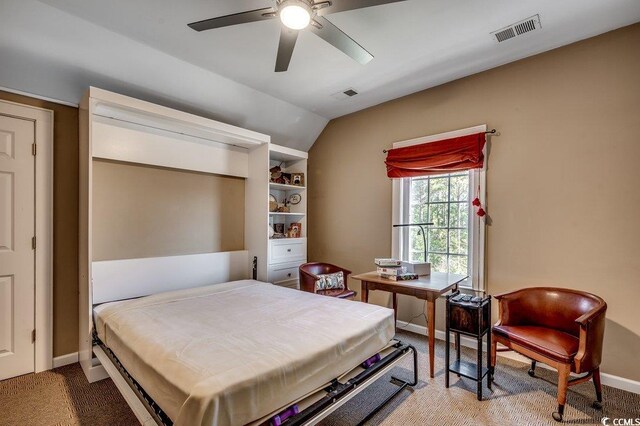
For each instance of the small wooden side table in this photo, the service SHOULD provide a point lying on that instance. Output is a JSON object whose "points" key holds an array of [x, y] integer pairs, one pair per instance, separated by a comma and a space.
{"points": [[470, 318]]}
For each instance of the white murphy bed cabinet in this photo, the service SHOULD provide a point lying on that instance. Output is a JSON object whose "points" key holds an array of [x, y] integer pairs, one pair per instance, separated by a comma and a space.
{"points": [[120, 128]]}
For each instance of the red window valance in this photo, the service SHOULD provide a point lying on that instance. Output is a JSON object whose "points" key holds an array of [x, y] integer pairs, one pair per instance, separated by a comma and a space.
{"points": [[445, 156]]}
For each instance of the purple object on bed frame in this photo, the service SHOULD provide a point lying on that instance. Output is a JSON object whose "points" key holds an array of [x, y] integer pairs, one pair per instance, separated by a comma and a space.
{"points": [[368, 363], [280, 418]]}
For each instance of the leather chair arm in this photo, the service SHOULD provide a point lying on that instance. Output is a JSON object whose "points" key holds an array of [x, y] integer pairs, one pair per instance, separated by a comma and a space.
{"points": [[592, 315], [308, 281], [591, 338]]}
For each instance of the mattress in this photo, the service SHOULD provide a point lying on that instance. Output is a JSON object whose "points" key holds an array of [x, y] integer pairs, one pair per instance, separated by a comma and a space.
{"points": [[231, 353]]}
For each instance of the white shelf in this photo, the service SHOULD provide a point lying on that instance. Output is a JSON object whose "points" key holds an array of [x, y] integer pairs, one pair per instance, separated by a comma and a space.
{"points": [[283, 153], [285, 187], [285, 214]]}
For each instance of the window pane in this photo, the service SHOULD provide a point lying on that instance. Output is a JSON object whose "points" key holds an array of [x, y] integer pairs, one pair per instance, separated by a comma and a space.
{"points": [[438, 240], [417, 245], [458, 241], [419, 191], [443, 200], [438, 262], [459, 215], [438, 189], [438, 215], [460, 188], [458, 265], [416, 214]]}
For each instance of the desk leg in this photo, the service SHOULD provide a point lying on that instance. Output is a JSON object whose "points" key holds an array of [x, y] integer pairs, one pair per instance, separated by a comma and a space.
{"points": [[395, 310], [365, 292], [431, 324]]}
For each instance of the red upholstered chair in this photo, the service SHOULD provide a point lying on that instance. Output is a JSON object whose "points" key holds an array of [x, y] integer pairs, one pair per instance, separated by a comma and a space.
{"points": [[560, 327], [309, 275]]}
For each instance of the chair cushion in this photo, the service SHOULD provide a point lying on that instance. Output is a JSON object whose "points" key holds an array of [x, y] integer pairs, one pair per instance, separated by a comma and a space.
{"points": [[548, 342], [333, 281], [339, 293]]}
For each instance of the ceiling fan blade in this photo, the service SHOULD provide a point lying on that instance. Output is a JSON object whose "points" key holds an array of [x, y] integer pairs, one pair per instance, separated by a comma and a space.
{"points": [[234, 19], [334, 36], [285, 48], [343, 5]]}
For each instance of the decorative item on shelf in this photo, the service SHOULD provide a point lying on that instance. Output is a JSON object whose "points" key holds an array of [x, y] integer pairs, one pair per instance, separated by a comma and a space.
{"points": [[297, 179], [276, 175], [284, 208], [273, 203], [278, 228], [295, 198], [271, 231], [295, 230]]}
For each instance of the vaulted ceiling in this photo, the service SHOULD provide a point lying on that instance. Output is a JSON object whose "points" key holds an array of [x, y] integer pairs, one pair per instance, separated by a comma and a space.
{"points": [[144, 48]]}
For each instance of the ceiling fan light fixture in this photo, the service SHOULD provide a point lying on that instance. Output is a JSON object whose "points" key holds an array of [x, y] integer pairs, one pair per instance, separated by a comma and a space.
{"points": [[295, 14]]}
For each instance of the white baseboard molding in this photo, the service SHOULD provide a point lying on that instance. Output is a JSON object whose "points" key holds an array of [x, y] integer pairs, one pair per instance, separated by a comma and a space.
{"points": [[63, 360], [607, 379]]}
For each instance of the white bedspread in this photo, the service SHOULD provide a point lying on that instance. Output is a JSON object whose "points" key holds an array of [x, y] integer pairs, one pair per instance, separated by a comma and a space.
{"points": [[231, 353]]}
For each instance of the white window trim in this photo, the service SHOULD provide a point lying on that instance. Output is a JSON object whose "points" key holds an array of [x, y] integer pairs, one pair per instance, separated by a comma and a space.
{"points": [[478, 176]]}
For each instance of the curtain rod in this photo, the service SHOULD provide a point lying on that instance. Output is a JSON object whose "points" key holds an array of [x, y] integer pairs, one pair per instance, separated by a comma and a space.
{"points": [[492, 132]]}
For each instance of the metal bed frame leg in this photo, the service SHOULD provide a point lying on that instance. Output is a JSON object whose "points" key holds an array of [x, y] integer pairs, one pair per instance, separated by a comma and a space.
{"points": [[399, 382]]}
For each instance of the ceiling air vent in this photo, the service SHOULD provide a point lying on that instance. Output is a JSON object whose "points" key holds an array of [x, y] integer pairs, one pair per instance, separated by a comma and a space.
{"points": [[345, 94], [517, 29]]}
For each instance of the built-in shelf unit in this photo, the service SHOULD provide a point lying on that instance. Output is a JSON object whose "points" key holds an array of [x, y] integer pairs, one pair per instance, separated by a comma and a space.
{"points": [[287, 254]]}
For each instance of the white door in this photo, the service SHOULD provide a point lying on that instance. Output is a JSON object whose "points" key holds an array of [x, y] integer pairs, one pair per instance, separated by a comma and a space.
{"points": [[17, 256]]}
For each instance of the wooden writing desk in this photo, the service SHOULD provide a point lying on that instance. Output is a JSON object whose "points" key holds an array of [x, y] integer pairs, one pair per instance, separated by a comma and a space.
{"points": [[428, 288]]}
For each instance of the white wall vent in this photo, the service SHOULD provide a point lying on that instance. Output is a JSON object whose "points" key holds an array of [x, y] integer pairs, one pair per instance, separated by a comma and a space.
{"points": [[517, 29], [345, 94]]}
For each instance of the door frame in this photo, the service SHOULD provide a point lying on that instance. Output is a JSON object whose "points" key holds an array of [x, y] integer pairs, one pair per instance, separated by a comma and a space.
{"points": [[43, 132]]}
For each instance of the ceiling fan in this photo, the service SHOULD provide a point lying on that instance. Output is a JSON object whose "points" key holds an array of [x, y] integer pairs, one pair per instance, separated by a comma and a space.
{"points": [[297, 15]]}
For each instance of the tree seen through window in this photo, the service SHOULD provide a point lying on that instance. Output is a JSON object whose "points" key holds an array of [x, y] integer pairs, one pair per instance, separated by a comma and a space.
{"points": [[443, 200]]}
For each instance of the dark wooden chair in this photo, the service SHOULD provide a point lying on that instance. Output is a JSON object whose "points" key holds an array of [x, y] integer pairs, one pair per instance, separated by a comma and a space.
{"points": [[309, 275], [560, 327]]}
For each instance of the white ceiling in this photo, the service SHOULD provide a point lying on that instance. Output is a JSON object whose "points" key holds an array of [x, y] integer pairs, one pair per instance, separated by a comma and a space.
{"points": [[416, 43], [144, 48]]}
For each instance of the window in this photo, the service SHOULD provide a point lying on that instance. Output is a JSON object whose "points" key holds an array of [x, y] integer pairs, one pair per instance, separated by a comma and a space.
{"points": [[443, 200], [455, 241]]}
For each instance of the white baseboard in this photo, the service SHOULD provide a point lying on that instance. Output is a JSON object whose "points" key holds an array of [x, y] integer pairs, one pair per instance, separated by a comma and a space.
{"points": [[67, 359], [607, 379]]}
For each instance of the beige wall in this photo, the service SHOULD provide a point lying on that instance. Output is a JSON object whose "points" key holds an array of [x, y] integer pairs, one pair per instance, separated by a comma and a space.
{"points": [[563, 178], [65, 224], [143, 211]]}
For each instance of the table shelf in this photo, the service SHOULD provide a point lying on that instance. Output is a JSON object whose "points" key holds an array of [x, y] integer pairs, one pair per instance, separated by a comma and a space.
{"points": [[468, 370]]}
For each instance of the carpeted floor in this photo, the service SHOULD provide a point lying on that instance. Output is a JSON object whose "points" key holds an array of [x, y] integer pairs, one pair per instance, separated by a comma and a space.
{"points": [[63, 397]]}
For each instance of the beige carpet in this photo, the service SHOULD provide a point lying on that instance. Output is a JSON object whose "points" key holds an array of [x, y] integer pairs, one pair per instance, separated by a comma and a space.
{"points": [[63, 397]]}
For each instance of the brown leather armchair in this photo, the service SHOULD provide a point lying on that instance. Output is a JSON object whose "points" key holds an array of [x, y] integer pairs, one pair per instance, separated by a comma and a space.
{"points": [[309, 275], [560, 327]]}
